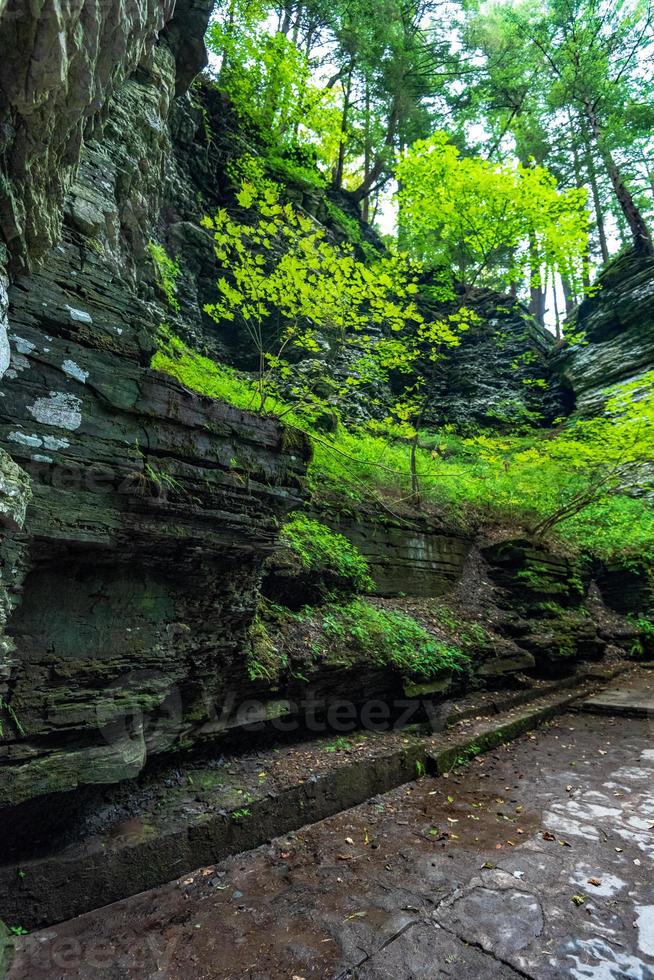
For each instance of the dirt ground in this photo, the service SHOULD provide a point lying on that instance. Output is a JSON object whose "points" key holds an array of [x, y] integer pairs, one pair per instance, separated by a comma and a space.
{"points": [[534, 861]]}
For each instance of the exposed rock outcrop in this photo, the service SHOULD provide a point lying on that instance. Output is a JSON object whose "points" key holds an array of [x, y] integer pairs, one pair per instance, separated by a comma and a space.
{"points": [[60, 64], [500, 375], [152, 508], [618, 324]]}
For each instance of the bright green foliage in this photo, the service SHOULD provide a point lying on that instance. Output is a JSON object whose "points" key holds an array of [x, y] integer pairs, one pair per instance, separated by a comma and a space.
{"points": [[586, 483], [488, 222], [352, 634], [268, 78], [319, 549], [167, 271], [360, 632], [293, 291], [609, 455]]}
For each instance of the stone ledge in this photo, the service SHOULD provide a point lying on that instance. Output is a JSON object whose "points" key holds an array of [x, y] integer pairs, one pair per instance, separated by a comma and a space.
{"points": [[108, 867]]}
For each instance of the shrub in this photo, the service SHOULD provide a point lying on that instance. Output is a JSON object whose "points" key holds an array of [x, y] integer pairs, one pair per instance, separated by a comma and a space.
{"points": [[359, 632], [321, 550]]}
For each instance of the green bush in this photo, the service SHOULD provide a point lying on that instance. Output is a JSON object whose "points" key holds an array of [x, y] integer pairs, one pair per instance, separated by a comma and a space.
{"points": [[359, 632], [321, 550]]}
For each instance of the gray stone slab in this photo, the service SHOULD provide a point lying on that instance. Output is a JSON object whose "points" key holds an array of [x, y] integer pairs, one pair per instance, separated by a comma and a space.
{"points": [[621, 701]]}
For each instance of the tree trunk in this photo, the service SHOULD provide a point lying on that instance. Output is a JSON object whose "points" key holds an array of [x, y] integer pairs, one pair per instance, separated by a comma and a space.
{"points": [[639, 231], [337, 178], [570, 299], [536, 291], [377, 169], [365, 211], [557, 316], [597, 204], [415, 486]]}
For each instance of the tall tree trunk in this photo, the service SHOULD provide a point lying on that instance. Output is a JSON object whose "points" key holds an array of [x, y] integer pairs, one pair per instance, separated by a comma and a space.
{"points": [[377, 169], [536, 291], [365, 212], [639, 231], [580, 183], [597, 203], [570, 299], [557, 315], [229, 27], [337, 178]]}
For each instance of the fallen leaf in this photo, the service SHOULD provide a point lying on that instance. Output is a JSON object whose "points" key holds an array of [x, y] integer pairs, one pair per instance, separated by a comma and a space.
{"points": [[487, 866], [595, 881], [578, 900], [547, 836], [450, 799]]}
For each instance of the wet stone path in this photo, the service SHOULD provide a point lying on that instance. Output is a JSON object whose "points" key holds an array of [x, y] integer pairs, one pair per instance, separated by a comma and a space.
{"points": [[533, 861]]}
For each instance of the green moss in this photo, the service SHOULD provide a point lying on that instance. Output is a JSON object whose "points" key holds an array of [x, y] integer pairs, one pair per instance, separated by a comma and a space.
{"points": [[203, 375], [264, 660], [167, 271], [643, 645], [347, 224], [321, 550]]}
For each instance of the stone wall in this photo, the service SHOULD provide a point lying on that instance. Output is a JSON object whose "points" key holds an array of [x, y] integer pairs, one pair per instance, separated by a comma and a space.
{"points": [[618, 323]]}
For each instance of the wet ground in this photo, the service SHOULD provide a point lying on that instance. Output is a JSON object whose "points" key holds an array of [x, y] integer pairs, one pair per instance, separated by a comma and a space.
{"points": [[534, 861]]}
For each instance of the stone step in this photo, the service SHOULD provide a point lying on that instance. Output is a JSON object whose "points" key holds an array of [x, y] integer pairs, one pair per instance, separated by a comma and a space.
{"points": [[626, 702], [233, 805]]}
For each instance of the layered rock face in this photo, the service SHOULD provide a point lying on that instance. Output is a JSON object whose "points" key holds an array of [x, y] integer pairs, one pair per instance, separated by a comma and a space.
{"points": [[129, 583], [500, 375], [134, 577], [618, 323]]}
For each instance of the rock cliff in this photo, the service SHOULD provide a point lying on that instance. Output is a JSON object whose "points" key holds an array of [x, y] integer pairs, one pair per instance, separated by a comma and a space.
{"points": [[136, 516], [617, 328], [135, 571]]}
